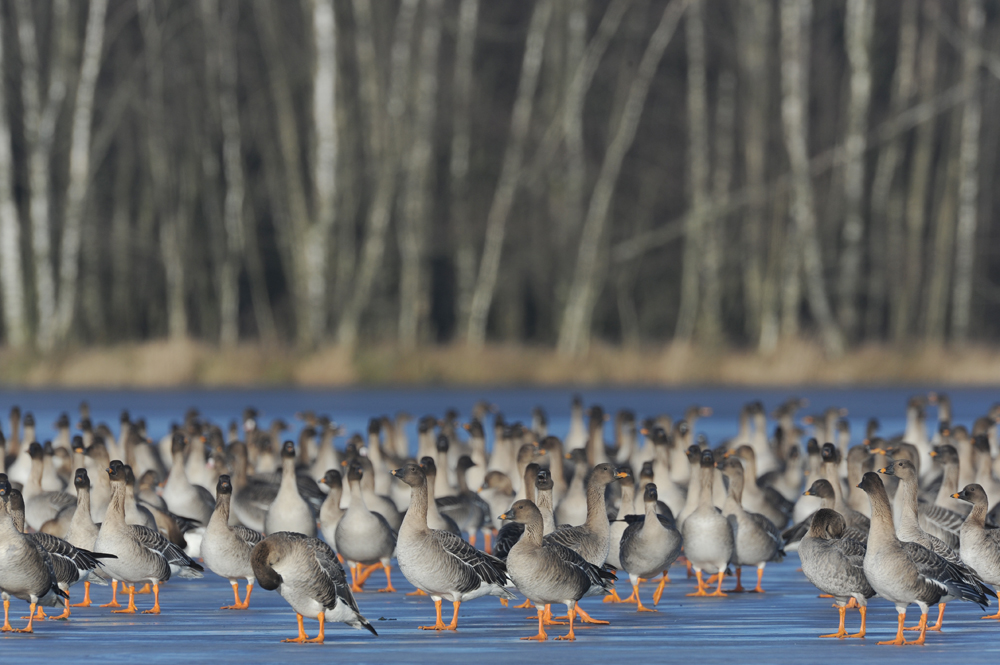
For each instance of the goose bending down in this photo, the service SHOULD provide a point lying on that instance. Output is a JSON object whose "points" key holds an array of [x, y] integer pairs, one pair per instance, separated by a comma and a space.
{"points": [[226, 549], [756, 540], [980, 548], [306, 573], [908, 525], [439, 563], [905, 573], [708, 538], [41, 506], [835, 565], [649, 547], [83, 532], [26, 569], [70, 564], [365, 537], [546, 572], [289, 511], [330, 512], [142, 554], [435, 520]]}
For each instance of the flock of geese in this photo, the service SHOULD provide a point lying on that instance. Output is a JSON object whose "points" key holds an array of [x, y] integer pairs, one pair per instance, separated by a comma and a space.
{"points": [[911, 518]]}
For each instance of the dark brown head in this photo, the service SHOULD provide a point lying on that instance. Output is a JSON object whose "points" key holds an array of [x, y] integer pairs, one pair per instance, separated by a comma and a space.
{"points": [[659, 437], [412, 474], [830, 453], [475, 429], [355, 472], [429, 467], [872, 484], [442, 444], [115, 471], [332, 479], [36, 451], [374, 426], [149, 480], [129, 475], [29, 419], [523, 512], [224, 486], [973, 494], [945, 454], [604, 474], [177, 443], [288, 449], [528, 453], [543, 481], [731, 467], [707, 459], [647, 469], [63, 421], [81, 480], [821, 488], [262, 559], [827, 524], [464, 464], [649, 494], [497, 480], [902, 468], [15, 505], [531, 473]]}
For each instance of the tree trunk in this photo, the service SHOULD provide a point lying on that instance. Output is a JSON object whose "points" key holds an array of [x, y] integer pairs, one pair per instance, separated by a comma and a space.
{"points": [[919, 181], [858, 29], [697, 118], [890, 265], [753, 35], [380, 209], [968, 172], [942, 251], [122, 252], [770, 296], [795, 18], [461, 139], [574, 332], [11, 276], [413, 289], [510, 173], [41, 113]]}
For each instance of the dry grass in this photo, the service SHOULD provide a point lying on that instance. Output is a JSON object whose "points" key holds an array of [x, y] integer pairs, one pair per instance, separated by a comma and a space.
{"points": [[162, 364]]}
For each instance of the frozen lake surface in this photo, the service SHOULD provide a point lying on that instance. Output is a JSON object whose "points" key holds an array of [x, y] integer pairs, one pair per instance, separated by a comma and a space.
{"points": [[780, 626]]}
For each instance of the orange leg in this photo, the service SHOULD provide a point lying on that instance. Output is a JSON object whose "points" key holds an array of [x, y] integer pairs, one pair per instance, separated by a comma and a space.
{"points": [[237, 605], [302, 632], [549, 620], [388, 581], [340, 559], [7, 628], [586, 617], [659, 590], [418, 592], [472, 538], [851, 604], [760, 575], [31, 617], [155, 609], [688, 564], [542, 635], [937, 624], [864, 617], [841, 632], [899, 634], [65, 612], [86, 596], [739, 585], [39, 614], [992, 616], [114, 595], [454, 617], [246, 601], [923, 631], [570, 636], [613, 597], [503, 601], [701, 586], [144, 590], [366, 572], [322, 632], [131, 602], [488, 537], [718, 590], [438, 624], [640, 608], [526, 605]]}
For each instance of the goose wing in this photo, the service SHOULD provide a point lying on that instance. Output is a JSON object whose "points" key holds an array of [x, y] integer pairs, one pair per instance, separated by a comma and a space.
{"points": [[82, 560], [478, 567], [248, 536], [155, 542], [567, 536], [506, 538], [597, 576], [50, 567], [945, 575]]}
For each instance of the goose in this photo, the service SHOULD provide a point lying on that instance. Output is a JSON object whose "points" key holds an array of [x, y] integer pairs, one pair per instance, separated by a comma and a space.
{"points": [[365, 537], [142, 554], [576, 437], [70, 564], [289, 511], [547, 572], [908, 526], [379, 472], [467, 508], [938, 518], [857, 457], [555, 458], [511, 531], [442, 485], [134, 512], [377, 503], [196, 467], [146, 491], [572, 508], [649, 547], [19, 469], [435, 520], [226, 549], [765, 501], [694, 486], [905, 573], [251, 496], [40, 505], [984, 468], [187, 500], [980, 548], [82, 532], [835, 565], [51, 481], [477, 442], [306, 573], [806, 505], [789, 480], [498, 492], [663, 472], [756, 540], [327, 456], [822, 489], [708, 538], [439, 563], [331, 512], [626, 509], [26, 569]]}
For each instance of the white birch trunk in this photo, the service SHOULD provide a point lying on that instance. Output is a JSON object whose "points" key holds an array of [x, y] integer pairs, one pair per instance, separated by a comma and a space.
{"points": [[858, 29], [795, 18], [697, 117], [506, 189], [574, 331], [11, 276], [968, 172], [79, 166]]}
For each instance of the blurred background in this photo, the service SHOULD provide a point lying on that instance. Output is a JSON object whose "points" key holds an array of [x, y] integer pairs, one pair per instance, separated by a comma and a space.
{"points": [[552, 175]]}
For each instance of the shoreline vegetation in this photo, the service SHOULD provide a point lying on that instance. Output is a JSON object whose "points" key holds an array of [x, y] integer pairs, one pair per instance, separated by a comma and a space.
{"points": [[189, 363]]}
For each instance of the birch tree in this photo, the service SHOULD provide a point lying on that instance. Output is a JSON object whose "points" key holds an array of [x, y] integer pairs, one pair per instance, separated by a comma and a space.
{"points": [[858, 30], [11, 276], [574, 331], [510, 173], [795, 18]]}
